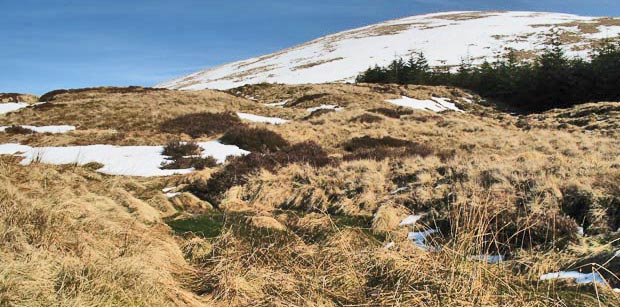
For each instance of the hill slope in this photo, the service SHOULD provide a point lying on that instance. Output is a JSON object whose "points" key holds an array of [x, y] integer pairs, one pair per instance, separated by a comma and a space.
{"points": [[374, 201], [445, 38]]}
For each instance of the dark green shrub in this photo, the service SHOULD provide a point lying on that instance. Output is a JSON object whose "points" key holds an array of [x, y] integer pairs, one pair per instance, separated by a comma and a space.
{"points": [[366, 118], [319, 113], [235, 173], [184, 155], [393, 113], [307, 98], [366, 142], [202, 124], [305, 152], [181, 149], [382, 148], [546, 230], [50, 96], [238, 169], [47, 106], [14, 129], [254, 139], [198, 163], [382, 153]]}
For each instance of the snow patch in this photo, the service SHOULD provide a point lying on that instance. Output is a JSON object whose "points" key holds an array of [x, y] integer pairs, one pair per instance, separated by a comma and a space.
{"points": [[580, 278], [434, 104], [261, 119], [410, 220], [276, 104], [419, 238], [11, 107], [490, 259], [399, 190], [117, 160], [580, 231], [45, 129]]}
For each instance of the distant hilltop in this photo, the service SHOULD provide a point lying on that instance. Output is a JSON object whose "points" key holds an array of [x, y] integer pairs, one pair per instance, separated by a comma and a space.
{"points": [[444, 38]]}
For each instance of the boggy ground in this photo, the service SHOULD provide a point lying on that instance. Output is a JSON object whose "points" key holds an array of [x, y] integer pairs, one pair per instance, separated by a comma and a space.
{"points": [[295, 224]]}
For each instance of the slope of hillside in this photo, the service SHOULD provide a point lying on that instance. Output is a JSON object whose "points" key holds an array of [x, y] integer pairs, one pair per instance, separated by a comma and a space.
{"points": [[445, 38], [362, 202]]}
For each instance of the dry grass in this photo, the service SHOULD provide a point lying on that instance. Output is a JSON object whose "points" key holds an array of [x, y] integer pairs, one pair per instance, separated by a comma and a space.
{"points": [[71, 237], [292, 234], [125, 118], [16, 97], [596, 118]]}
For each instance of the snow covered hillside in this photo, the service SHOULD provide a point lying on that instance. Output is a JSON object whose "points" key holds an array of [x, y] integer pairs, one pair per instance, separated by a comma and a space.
{"points": [[445, 38]]}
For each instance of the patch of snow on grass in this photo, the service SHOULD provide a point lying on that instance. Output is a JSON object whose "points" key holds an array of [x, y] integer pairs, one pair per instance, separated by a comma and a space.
{"points": [[490, 259], [399, 190], [172, 194], [117, 160], [434, 104], [325, 107], [261, 119], [45, 129], [11, 107], [276, 104], [419, 238], [410, 220], [580, 231], [580, 278]]}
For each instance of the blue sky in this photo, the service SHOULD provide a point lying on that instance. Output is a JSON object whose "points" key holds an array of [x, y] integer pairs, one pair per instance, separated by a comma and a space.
{"points": [[51, 44]]}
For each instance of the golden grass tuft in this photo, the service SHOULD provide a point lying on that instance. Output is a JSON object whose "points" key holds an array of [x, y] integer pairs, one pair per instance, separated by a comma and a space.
{"points": [[67, 241]]}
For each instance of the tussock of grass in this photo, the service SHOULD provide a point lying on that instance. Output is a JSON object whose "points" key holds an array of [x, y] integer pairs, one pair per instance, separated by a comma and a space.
{"points": [[318, 113], [67, 239], [393, 113], [14, 129], [184, 155], [201, 124], [367, 118], [254, 139], [238, 169], [177, 149]]}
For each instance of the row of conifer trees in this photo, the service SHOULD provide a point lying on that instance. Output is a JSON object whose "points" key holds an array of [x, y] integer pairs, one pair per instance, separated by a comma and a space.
{"points": [[551, 80]]}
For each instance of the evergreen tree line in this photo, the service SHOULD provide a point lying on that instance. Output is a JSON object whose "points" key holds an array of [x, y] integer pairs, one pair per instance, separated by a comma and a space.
{"points": [[552, 80]]}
